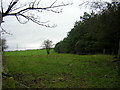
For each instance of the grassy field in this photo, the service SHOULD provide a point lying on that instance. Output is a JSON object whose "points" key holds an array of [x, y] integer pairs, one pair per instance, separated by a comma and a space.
{"points": [[36, 69]]}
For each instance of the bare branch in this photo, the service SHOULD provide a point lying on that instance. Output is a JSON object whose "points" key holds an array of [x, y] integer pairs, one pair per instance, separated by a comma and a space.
{"points": [[33, 4], [25, 11], [45, 8], [17, 8], [20, 20], [31, 8], [38, 3], [55, 11], [12, 4], [4, 31], [53, 3], [33, 19]]}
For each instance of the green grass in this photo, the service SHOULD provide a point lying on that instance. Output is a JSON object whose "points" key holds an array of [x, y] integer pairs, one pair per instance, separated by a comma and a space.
{"points": [[36, 69]]}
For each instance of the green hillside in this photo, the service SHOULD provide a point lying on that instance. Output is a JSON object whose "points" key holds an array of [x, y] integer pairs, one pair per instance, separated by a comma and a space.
{"points": [[36, 69]]}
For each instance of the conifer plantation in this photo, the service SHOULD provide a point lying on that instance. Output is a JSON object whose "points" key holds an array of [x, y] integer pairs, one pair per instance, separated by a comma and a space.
{"points": [[94, 33]]}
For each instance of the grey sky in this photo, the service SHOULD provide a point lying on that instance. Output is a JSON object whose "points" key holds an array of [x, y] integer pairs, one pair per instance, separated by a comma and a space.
{"points": [[31, 35]]}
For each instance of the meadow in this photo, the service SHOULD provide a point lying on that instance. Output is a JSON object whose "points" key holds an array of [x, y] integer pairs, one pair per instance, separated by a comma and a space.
{"points": [[36, 69]]}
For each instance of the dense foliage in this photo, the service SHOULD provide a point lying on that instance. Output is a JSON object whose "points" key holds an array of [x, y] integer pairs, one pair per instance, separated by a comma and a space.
{"points": [[94, 33]]}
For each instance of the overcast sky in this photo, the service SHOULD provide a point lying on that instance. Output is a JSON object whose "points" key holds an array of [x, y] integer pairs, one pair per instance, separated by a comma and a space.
{"points": [[31, 35]]}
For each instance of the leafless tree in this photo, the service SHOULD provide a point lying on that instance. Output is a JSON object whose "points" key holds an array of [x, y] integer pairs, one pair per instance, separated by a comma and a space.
{"points": [[22, 9], [27, 9]]}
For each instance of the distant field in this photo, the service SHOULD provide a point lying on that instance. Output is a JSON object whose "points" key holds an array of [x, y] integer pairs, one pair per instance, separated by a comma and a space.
{"points": [[36, 69]]}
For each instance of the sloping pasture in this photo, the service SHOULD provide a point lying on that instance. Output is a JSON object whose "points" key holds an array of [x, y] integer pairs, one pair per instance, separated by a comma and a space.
{"points": [[36, 69]]}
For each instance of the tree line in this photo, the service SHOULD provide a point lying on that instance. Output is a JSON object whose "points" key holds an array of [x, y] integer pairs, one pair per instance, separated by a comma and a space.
{"points": [[94, 33]]}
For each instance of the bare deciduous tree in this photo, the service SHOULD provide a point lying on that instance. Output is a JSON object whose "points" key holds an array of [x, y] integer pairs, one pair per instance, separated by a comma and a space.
{"points": [[28, 10]]}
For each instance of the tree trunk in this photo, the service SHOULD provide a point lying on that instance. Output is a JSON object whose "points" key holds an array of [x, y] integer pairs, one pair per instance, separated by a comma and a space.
{"points": [[0, 54], [0, 66], [112, 52], [104, 51], [118, 50], [48, 52]]}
